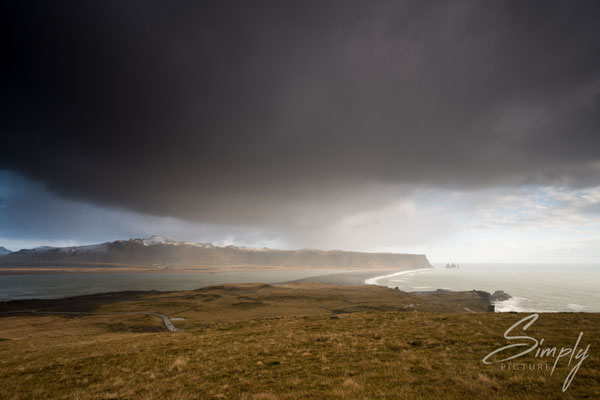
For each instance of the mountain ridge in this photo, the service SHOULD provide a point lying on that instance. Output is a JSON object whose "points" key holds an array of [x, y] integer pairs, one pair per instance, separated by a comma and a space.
{"points": [[162, 252]]}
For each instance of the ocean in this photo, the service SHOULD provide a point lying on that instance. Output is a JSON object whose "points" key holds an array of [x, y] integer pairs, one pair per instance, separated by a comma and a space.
{"points": [[52, 286], [533, 287]]}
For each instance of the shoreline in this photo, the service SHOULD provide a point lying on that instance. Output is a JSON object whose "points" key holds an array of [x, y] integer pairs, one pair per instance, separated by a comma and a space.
{"points": [[148, 279], [354, 277], [503, 304], [373, 281]]}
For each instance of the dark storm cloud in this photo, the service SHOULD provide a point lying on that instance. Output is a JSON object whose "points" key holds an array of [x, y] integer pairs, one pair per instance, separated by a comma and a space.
{"points": [[30, 216], [247, 111]]}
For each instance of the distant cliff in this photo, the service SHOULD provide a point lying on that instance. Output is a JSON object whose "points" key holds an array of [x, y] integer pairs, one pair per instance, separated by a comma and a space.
{"points": [[161, 252]]}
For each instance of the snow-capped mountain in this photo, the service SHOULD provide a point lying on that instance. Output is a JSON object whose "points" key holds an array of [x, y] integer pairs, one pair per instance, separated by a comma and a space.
{"points": [[160, 251], [4, 251], [158, 239]]}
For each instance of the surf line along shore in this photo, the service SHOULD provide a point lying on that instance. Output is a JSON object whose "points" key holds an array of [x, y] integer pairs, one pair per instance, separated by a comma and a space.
{"points": [[374, 280]]}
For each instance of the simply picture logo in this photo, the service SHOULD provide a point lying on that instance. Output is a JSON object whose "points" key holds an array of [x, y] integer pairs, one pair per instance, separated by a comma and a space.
{"points": [[548, 358]]}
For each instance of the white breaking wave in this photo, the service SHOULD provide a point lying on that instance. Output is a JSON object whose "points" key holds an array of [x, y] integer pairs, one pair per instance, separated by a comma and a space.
{"points": [[513, 304], [535, 288], [373, 281]]}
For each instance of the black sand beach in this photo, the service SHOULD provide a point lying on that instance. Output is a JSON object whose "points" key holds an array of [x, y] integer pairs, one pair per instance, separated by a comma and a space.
{"points": [[350, 278]]}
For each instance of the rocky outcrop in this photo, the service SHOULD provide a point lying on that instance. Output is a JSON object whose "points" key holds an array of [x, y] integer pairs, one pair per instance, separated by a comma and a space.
{"points": [[499, 295]]}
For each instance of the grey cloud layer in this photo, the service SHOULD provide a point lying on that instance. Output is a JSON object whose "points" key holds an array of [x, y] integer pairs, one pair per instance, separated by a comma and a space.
{"points": [[271, 112]]}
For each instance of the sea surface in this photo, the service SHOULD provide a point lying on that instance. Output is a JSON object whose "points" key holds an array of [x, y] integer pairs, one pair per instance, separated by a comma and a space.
{"points": [[52, 286], [534, 287]]}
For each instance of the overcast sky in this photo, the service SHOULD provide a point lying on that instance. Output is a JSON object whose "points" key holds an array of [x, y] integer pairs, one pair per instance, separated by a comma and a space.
{"points": [[466, 130]]}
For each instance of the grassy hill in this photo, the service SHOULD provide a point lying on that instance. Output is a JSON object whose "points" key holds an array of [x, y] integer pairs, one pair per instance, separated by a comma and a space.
{"points": [[298, 341]]}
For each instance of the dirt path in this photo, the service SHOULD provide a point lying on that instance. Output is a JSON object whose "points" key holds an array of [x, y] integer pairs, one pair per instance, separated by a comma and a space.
{"points": [[166, 320]]}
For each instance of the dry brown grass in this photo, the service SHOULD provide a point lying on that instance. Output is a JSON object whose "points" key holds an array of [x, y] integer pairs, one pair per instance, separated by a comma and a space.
{"points": [[299, 354]]}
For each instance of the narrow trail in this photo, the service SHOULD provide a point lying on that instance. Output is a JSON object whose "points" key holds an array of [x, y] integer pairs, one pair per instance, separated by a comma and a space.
{"points": [[166, 320]]}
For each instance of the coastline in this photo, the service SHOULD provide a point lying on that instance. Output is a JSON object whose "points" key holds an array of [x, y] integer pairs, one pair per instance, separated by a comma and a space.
{"points": [[355, 277], [496, 306], [373, 281]]}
